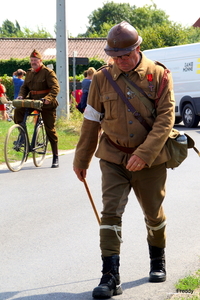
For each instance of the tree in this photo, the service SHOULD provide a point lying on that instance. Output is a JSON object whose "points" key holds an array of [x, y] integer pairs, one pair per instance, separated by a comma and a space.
{"points": [[148, 15], [112, 13], [159, 36], [40, 33], [9, 29], [152, 24]]}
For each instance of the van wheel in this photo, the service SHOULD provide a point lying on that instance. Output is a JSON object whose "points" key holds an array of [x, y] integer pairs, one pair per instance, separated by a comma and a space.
{"points": [[178, 120], [190, 120]]}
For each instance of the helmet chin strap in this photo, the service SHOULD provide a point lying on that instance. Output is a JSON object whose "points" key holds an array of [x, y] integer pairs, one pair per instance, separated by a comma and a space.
{"points": [[139, 59]]}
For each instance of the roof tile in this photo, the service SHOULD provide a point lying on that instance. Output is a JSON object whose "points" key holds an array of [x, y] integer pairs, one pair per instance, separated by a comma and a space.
{"points": [[22, 47]]}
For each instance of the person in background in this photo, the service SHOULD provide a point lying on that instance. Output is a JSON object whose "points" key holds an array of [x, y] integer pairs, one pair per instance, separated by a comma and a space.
{"points": [[18, 81], [85, 74], [77, 96], [41, 83], [85, 88], [3, 106], [132, 150]]}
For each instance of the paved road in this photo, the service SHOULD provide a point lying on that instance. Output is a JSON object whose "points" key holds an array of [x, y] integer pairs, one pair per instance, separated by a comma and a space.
{"points": [[49, 233]]}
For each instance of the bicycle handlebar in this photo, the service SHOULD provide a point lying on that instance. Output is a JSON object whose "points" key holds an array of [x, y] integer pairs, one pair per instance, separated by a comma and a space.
{"points": [[28, 103], [5, 101]]}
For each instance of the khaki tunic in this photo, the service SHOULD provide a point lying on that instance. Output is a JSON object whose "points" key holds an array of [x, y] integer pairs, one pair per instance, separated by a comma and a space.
{"points": [[120, 124], [43, 80]]}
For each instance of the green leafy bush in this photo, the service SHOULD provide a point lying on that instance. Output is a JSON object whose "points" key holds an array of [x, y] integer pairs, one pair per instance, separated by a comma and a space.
{"points": [[7, 82]]}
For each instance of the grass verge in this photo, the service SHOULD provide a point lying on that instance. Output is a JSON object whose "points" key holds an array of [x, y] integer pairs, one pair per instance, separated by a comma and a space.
{"points": [[68, 132], [188, 287]]}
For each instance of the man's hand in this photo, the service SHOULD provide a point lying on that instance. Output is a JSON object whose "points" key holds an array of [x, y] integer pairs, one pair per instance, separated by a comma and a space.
{"points": [[135, 163], [19, 97], [46, 101], [80, 173]]}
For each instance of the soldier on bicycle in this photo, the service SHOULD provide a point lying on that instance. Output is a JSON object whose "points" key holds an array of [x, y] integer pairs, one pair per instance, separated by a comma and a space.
{"points": [[41, 83]]}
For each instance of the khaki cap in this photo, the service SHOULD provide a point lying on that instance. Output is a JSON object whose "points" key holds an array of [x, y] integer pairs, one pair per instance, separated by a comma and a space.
{"points": [[36, 54]]}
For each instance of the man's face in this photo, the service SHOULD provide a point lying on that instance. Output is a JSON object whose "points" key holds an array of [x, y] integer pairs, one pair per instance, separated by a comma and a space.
{"points": [[128, 61], [35, 62]]}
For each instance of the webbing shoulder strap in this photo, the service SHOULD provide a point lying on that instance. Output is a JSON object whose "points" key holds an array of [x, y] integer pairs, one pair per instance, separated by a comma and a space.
{"points": [[159, 93], [136, 114], [149, 103]]}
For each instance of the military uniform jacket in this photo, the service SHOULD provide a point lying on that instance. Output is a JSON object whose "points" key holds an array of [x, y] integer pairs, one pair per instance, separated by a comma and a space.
{"points": [[106, 110], [41, 84]]}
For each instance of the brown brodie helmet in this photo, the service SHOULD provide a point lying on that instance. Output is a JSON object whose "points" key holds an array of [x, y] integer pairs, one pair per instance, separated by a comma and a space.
{"points": [[122, 39]]}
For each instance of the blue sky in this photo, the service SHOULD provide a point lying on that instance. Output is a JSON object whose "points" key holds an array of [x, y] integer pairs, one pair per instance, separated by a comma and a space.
{"points": [[42, 13]]}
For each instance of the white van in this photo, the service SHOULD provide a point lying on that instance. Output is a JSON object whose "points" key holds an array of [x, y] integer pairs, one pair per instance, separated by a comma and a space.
{"points": [[184, 63]]}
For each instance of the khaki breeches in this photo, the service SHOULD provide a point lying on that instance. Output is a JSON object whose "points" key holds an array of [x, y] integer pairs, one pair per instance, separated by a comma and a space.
{"points": [[49, 118], [149, 188]]}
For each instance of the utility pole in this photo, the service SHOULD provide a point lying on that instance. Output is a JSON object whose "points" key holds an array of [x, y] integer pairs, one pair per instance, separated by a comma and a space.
{"points": [[62, 62], [74, 72]]}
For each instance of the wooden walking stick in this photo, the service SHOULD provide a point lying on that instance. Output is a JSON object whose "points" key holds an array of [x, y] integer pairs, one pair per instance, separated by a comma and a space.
{"points": [[91, 200]]}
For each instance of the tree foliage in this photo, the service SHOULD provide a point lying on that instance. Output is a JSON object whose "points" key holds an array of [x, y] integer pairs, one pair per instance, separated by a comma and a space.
{"points": [[147, 16], [40, 33], [153, 25], [168, 35], [9, 29], [113, 13]]}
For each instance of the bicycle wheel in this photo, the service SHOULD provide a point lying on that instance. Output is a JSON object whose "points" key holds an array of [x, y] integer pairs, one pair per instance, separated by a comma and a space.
{"points": [[40, 146], [16, 148]]}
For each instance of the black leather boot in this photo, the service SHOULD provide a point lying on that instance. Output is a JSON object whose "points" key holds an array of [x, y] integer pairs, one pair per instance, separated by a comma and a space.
{"points": [[157, 264], [55, 163], [110, 282], [54, 148]]}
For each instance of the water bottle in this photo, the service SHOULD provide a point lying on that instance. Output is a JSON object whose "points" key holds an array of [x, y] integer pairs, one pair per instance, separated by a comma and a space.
{"points": [[182, 138]]}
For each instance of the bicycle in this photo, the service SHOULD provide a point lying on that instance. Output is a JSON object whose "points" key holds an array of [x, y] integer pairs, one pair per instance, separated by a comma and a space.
{"points": [[10, 109], [18, 144]]}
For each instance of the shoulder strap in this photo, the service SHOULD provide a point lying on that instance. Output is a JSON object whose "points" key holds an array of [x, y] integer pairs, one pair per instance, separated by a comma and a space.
{"points": [[159, 93], [149, 103], [136, 114]]}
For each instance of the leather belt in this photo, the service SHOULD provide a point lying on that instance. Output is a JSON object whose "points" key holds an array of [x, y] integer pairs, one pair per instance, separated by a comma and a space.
{"points": [[40, 92], [128, 150]]}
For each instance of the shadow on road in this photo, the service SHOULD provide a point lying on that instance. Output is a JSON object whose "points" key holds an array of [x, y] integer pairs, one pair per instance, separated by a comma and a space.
{"points": [[4, 296], [131, 284], [68, 296]]}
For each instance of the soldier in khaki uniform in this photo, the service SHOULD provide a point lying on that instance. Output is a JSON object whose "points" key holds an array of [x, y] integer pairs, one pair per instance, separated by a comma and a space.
{"points": [[42, 83], [131, 156]]}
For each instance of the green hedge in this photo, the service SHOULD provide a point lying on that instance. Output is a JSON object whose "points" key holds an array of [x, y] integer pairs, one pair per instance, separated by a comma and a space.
{"points": [[7, 67], [81, 68], [7, 81]]}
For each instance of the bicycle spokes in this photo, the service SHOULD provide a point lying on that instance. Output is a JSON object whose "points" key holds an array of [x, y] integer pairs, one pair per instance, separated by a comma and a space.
{"points": [[40, 146], [16, 148]]}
